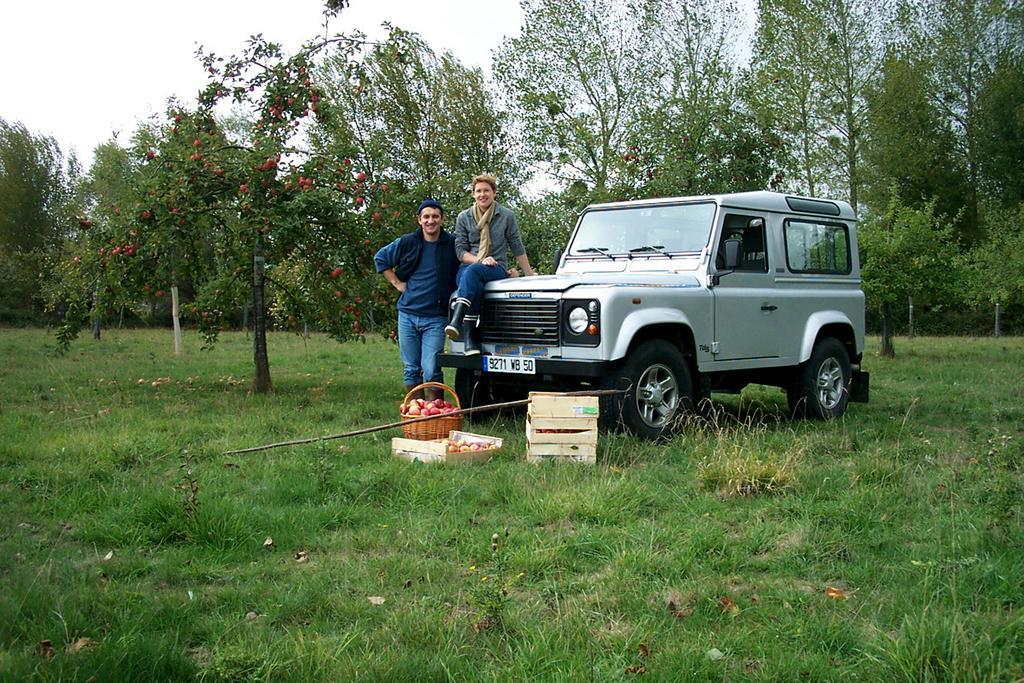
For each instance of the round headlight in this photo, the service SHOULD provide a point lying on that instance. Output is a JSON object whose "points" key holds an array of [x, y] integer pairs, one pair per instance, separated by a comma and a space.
{"points": [[578, 320]]}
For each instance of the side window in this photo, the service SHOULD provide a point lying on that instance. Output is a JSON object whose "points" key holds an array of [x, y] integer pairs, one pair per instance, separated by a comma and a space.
{"points": [[817, 247], [750, 231]]}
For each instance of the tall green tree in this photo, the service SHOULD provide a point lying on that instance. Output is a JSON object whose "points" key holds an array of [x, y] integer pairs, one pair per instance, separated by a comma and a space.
{"points": [[909, 146], [1001, 132], [39, 207], [816, 59], [575, 78], [421, 122], [696, 133], [787, 92], [965, 44]]}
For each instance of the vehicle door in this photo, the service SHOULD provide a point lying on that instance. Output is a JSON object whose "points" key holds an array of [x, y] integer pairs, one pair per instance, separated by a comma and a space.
{"points": [[744, 299], [816, 276]]}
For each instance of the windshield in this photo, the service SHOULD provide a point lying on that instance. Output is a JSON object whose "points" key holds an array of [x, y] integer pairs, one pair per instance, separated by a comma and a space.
{"points": [[644, 230]]}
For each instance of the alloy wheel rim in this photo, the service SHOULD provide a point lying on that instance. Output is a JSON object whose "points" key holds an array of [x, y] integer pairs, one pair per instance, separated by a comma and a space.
{"points": [[657, 396], [830, 383]]}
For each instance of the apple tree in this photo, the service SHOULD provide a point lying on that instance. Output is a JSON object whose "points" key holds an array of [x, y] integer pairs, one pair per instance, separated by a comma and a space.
{"points": [[247, 212], [906, 251]]}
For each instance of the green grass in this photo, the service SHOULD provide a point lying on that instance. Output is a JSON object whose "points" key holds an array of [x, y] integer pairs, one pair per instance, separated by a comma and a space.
{"points": [[911, 507]]}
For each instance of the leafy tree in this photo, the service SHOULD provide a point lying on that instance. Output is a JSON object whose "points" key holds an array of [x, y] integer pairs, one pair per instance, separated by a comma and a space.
{"points": [[39, 205], [994, 268], [576, 77], [422, 123], [821, 56], [211, 208], [909, 148], [696, 134], [963, 50], [906, 251], [788, 92], [1001, 134]]}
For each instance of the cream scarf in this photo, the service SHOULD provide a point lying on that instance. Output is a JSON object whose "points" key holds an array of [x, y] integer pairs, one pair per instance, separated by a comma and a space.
{"points": [[483, 224]]}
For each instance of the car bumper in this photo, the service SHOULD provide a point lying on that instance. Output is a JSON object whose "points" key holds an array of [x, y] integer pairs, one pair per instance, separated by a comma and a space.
{"points": [[545, 366]]}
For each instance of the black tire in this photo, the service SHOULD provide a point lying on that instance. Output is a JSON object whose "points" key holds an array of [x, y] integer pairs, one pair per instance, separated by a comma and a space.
{"points": [[473, 390], [821, 390], [660, 391]]}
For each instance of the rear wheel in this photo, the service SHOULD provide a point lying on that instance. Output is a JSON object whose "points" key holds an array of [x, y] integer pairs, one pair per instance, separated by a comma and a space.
{"points": [[659, 390], [822, 387]]}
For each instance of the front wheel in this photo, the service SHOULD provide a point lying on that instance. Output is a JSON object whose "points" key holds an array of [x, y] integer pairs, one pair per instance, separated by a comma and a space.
{"points": [[659, 390], [822, 387]]}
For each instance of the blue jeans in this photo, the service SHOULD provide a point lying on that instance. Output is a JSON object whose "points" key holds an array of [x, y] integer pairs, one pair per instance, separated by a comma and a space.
{"points": [[471, 280], [420, 339]]}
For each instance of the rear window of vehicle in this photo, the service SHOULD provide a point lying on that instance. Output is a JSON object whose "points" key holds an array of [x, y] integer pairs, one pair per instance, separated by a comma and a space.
{"points": [[813, 247]]}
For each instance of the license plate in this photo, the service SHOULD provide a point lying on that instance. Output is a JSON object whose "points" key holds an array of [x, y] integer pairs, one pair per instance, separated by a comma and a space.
{"points": [[518, 365]]}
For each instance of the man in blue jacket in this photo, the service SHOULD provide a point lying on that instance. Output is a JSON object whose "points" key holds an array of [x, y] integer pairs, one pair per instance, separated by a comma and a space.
{"points": [[484, 234], [422, 266]]}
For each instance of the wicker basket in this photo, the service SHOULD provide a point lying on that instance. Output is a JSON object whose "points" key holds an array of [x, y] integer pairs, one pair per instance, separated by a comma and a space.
{"points": [[437, 428]]}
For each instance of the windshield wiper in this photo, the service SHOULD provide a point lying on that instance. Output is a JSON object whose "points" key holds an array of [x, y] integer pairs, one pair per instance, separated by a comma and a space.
{"points": [[603, 251], [660, 248]]}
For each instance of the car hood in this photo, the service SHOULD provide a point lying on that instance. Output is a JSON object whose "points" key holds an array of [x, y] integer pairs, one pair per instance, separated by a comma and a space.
{"points": [[562, 283]]}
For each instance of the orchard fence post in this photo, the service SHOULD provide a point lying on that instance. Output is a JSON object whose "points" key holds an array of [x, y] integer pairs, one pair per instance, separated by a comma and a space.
{"points": [[910, 316], [997, 319]]}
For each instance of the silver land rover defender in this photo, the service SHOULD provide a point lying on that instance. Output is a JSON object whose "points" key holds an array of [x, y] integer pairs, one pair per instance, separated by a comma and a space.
{"points": [[672, 299]]}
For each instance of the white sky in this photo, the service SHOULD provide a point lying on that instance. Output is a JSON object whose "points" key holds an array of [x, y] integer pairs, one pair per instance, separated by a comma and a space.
{"points": [[81, 70]]}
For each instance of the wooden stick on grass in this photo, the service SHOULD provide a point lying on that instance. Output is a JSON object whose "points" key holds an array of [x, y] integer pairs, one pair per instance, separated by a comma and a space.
{"points": [[392, 425]]}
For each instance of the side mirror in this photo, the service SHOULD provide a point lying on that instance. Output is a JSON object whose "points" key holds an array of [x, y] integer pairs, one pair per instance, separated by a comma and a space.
{"points": [[756, 223], [732, 253], [558, 259]]}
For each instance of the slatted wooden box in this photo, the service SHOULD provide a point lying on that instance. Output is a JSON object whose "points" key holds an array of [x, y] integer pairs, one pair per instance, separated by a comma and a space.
{"points": [[441, 450], [561, 428]]}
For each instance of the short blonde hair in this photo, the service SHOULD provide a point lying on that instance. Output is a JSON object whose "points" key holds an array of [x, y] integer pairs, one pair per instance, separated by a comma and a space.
{"points": [[485, 178]]}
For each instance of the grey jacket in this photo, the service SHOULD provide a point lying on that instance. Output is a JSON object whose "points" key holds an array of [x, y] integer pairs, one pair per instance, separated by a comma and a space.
{"points": [[504, 235]]}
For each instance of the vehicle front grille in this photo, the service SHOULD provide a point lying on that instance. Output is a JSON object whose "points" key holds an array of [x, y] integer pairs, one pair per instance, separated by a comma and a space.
{"points": [[517, 321]]}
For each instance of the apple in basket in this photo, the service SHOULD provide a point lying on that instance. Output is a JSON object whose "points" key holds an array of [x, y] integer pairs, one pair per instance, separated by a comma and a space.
{"points": [[419, 407]]}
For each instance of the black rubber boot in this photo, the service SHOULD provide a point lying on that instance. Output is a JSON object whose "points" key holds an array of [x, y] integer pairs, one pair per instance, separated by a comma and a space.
{"points": [[453, 330], [470, 337], [415, 394]]}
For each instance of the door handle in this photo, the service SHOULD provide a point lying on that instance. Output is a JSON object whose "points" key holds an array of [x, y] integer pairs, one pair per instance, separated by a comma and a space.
{"points": [[769, 307]]}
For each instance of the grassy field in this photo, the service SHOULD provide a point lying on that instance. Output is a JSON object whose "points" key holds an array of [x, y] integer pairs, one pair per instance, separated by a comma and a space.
{"points": [[886, 546]]}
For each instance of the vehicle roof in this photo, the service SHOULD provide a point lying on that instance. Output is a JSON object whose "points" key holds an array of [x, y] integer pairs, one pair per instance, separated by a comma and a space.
{"points": [[760, 200]]}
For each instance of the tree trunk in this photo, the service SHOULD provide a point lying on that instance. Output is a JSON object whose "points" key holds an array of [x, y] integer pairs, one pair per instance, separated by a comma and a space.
{"points": [[261, 383], [888, 350], [97, 314], [175, 320]]}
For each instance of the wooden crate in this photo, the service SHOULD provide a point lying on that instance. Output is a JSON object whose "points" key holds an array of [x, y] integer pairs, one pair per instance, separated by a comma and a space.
{"points": [[438, 450], [561, 428]]}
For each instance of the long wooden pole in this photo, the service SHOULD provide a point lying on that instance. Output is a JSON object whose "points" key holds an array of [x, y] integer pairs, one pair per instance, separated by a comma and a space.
{"points": [[392, 425]]}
